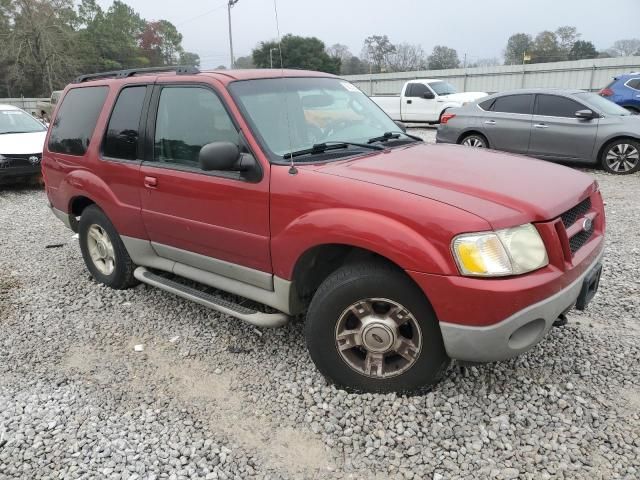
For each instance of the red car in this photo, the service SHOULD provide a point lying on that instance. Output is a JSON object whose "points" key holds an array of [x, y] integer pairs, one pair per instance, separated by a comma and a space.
{"points": [[292, 189]]}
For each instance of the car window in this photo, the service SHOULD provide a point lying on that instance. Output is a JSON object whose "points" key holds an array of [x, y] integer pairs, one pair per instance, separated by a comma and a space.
{"points": [[417, 90], [188, 119], [603, 105], [634, 83], [18, 121], [121, 138], [76, 119], [513, 104], [442, 88], [487, 104], [556, 106]]}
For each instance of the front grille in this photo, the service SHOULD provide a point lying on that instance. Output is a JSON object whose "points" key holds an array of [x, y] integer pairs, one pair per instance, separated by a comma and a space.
{"points": [[571, 216], [20, 160], [579, 239]]}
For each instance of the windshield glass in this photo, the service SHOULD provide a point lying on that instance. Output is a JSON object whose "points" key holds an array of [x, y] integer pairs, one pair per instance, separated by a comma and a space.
{"points": [[291, 114], [442, 88], [602, 104], [17, 121]]}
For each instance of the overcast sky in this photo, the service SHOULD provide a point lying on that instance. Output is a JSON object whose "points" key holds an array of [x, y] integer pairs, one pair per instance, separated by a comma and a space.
{"points": [[478, 28]]}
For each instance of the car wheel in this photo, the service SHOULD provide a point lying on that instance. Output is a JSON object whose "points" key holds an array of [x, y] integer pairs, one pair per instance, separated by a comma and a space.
{"points": [[103, 251], [369, 328], [632, 110], [475, 140], [621, 157]]}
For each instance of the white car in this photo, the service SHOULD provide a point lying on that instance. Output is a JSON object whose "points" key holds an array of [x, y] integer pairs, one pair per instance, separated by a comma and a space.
{"points": [[21, 143], [424, 101]]}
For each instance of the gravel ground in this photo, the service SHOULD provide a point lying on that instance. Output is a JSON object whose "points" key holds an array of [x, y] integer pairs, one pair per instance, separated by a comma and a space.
{"points": [[210, 397]]}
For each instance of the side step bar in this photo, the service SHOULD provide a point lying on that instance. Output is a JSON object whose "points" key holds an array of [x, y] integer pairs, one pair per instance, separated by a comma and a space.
{"points": [[259, 319]]}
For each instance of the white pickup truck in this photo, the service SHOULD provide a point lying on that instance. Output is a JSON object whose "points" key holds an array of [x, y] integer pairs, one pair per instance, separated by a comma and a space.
{"points": [[424, 101]]}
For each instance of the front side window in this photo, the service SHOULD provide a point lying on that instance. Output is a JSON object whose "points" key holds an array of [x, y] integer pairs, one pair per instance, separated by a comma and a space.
{"points": [[121, 139], [513, 104], [555, 106], [602, 105], [289, 114], [417, 90], [76, 120], [442, 88], [188, 119], [18, 121]]}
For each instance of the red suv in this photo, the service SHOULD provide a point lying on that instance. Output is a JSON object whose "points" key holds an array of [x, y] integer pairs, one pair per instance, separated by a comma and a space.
{"points": [[294, 190]]}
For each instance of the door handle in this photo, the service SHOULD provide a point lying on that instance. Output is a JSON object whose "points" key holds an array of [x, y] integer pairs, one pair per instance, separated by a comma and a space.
{"points": [[490, 122], [150, 182], [409, 101], [540, 125]]}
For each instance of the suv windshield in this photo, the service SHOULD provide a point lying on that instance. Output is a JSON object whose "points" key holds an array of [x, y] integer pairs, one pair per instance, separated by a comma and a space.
{"points": [[17, 121], [293, 114], [442, 88], [602, 104]]}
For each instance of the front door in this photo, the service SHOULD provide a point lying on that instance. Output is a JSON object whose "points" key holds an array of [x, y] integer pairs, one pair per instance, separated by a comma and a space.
{"points": [[557, 133], [416, 107], [215, 221]]}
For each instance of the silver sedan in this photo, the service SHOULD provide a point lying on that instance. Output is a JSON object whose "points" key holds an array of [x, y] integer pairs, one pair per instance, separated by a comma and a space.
{"points": [[559, 125]]}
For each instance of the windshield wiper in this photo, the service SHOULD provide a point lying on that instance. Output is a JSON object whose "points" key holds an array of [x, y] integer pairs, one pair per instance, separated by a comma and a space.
{"points": [[385, 137], [325, 146], [9, 133]]}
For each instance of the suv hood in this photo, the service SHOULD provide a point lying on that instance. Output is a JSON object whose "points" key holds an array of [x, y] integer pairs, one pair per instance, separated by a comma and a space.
{"points": [[22, 143], [504, 189], [463, 97]]}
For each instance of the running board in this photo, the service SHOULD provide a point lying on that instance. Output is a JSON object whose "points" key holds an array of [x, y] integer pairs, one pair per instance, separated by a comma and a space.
{"points": [[259, 319]]}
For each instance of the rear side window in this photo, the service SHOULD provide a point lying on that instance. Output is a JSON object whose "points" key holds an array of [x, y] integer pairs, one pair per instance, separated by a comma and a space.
{"points": [[555, 106], [513, 104], [121, 139], [634, 83], [487, 104], [76, 119]]}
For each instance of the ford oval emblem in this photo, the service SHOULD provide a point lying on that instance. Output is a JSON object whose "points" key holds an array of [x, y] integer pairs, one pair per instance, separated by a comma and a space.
{"points": [[34, 160], [587, 224]]}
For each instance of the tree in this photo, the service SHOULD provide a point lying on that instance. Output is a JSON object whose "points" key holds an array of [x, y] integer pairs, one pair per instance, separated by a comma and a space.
{"points": [[376, 51], [354, 66], [407, 58], [161, 43], [567, 36], [190, 59], [517, 45], [485, 62], [443, 57], [244, 62], [625, 48], [546, 48], [582, 49], [297, 52]]}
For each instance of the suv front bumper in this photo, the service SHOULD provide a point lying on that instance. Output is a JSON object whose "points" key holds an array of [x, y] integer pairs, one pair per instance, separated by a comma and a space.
{"points": [[522, 330]]}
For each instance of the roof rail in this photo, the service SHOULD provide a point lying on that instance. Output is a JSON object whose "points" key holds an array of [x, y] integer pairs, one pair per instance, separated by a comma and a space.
{"points": [[180, 70]]}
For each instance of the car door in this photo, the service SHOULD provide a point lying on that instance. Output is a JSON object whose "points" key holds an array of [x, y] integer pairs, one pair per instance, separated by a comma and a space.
{"points": [[507, 123], [556, 131], [416, 107], [213, 220]]}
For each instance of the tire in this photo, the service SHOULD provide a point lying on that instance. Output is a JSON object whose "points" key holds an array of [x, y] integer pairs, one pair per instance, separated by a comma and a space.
{"points": [[633, 110], [621, 157], [329, 315], [95, 227], [475, 140]]}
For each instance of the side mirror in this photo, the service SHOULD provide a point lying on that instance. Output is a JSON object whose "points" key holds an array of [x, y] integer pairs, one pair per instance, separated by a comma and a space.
{"points": [[428, 95], [219, 156], [586, 114], [402, 126]]}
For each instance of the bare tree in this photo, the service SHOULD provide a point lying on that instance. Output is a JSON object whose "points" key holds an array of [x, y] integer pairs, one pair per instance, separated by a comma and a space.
{"points": [[625, 48], [376, 51], [407, 58]]}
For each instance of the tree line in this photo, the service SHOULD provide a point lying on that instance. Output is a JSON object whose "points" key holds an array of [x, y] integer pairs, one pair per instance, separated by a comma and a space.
{"points": [[46, 43]]}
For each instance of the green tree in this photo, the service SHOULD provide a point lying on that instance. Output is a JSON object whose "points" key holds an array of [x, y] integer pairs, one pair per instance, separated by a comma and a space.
{"points": [[546, 48], [161, 43], [517, 45], [443, 57], [297, 52], [244, 62], [189, 58], [567, 36], [376, 51], [582, 49], [354, 66]]}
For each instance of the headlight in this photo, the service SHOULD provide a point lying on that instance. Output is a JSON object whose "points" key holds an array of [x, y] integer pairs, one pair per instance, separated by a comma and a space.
{"points": [[511, 251]]}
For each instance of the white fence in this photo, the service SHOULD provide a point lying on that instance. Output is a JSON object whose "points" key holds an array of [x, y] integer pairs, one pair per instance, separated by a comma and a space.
{"points": [[28, 104], [583, 74]]}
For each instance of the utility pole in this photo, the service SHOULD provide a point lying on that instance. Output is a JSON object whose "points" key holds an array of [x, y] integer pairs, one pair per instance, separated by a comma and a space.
{"points": [[229, 5], [271, 55]]}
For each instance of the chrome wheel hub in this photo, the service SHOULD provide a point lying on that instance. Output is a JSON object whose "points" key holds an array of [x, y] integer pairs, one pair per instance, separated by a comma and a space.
{"points": [[101, 249], [622, 157], [473, 142], [378, 338]]}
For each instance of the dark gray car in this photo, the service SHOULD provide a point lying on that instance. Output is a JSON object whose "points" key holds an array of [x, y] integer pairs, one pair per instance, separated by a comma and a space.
{"points": [[561, 125]]}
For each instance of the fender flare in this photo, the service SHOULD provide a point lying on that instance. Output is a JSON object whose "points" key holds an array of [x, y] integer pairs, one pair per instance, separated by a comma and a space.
{"points": [[370, 231]]}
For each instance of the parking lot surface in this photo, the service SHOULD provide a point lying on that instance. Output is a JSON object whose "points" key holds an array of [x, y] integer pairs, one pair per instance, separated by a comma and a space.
{"points": [[96, 383]]}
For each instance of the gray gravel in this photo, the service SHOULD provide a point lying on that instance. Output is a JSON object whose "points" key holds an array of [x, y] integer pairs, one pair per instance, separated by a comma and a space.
{"points": [[209, 397]]}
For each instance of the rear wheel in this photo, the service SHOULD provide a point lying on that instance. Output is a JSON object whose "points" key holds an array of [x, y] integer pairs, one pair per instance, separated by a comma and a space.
{"points": [[621, 157], [633, 110], [474, 140], [103, 251], [369, 328]]}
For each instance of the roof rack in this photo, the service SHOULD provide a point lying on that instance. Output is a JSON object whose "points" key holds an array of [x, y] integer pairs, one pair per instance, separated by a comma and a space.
{"points": [[180, 70]]}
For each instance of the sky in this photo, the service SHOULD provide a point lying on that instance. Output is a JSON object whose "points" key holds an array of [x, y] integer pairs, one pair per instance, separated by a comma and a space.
{"points": [[478, 28]]}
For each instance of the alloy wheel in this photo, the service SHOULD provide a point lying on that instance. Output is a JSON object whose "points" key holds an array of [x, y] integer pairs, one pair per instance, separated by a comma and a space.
{"points": [[622, 157], [473, 141], [101, 249]]}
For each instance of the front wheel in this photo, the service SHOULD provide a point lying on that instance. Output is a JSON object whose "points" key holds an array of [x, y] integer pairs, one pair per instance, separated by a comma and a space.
{"points": [[369, 328], [621, 157]]}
